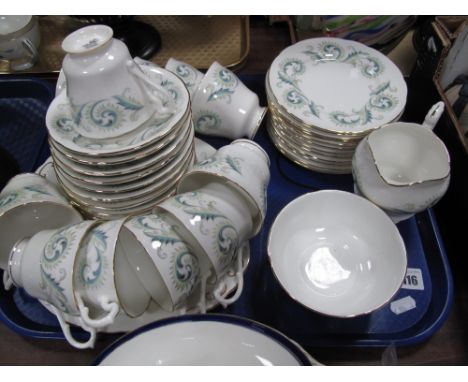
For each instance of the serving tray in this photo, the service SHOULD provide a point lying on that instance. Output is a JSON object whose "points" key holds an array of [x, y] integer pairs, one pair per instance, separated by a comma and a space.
{"points": [[415, 313]]}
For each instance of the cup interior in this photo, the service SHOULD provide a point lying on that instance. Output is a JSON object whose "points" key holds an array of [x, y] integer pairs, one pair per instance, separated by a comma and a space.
{"points": [[30, 218], [132, 295], [144, 268]]}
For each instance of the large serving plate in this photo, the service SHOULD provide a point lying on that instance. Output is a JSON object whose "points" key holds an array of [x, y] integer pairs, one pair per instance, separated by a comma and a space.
{"points": [[337, 85], [213, 340]]}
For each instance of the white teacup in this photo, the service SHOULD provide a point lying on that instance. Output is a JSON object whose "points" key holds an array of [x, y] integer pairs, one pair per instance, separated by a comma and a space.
{"points": [[29, 204], [223, 106], [94, 277], [187, 73], [109, 94], [164, 262], [43, 266], [403, 168], [206, 226], [19, 41], [244, 166], [212, 234]]}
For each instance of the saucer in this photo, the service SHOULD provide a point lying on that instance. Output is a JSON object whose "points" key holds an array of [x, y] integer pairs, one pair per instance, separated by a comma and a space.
{"points": [[63, 128], [337, 85]]}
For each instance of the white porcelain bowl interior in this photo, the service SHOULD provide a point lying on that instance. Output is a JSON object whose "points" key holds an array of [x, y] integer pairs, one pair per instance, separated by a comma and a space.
{"points": [[337, 253], [204, 340]]}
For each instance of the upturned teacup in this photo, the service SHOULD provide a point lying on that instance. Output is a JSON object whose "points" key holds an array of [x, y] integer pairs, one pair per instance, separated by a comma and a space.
{"points": [[223, 106], [109, 94], [187, 73], [243, 166]]}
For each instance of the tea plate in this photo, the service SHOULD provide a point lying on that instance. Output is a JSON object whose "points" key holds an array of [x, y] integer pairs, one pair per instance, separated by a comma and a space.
{"points": [[337, 85]]}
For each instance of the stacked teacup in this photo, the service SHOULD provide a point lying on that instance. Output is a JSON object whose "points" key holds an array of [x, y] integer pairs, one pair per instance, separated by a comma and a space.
{"points": [[186, 255], [120, 131], [221, 103]]}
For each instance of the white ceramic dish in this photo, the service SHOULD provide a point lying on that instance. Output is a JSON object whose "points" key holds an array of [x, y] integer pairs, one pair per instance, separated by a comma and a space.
{"points": [[337, 253], [337, 85], [205, 340]]}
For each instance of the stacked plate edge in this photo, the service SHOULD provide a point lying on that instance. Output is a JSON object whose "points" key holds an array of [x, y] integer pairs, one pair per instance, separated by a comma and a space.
{"points": [[325, 95], [109, 178]]}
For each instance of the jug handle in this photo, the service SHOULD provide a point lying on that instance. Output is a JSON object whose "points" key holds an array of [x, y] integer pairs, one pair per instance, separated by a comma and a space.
{"points": [[434, 114]]}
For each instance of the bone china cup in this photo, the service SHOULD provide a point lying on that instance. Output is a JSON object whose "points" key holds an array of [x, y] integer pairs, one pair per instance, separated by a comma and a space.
{"points": [[29, 204], [19, 40], [187, 73], [244, 166], [167, 267], [208, 227], [223, 106], [336, 253], [108, 92], [47, 273]]}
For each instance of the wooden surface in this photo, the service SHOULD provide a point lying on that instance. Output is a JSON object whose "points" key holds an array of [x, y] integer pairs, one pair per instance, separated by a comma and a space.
{"points": [[448, 346]]}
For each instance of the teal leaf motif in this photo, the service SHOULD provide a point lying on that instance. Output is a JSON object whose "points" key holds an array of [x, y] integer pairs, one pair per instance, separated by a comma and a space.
{"points": [[54, 290], [233, 164], [127, 104], [37, 190], [221, 93], [227, 240]]}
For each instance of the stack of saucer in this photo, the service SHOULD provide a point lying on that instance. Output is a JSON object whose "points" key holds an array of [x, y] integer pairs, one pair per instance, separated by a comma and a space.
{"points": [[118, 152], [325, 95]]}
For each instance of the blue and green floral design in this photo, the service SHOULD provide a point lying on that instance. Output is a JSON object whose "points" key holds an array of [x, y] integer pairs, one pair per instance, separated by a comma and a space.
{"points": [[368, 65], [28, 193], [224, 85], [53, 265], [207, 122], [210, 222], [223, 164], [93, 267], [62, 126], [169, 247], [292, 69]]}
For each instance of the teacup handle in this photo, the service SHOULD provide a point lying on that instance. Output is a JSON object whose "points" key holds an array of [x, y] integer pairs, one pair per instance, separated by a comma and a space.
{"points": [[157, 99], [111, 307], [68, 335], [240, 286], [7, 280], [433, 116], [29, 46]]}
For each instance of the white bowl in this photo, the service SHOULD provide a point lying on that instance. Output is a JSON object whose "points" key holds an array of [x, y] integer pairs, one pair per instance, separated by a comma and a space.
{"points": [[337, 253], [205, 340]]}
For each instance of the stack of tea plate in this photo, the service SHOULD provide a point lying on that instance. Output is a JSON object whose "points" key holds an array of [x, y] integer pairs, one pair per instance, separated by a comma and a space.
{"points": [[325, 95], [112, 176]]}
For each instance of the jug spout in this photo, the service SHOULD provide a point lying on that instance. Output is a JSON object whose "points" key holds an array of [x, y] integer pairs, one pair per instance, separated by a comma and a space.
{"points": [[434, 114]]}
